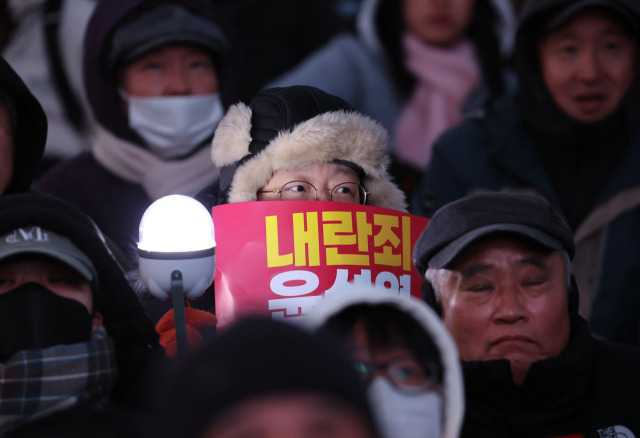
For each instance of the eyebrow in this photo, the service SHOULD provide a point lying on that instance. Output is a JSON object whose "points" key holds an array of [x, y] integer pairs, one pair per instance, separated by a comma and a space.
{"points": [[477, 268], [563, 35], [345, 170], [533, 260], [472, 270]]}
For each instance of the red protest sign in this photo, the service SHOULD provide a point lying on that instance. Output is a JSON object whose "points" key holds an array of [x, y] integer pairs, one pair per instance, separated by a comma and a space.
{"points": [[281, 258]]}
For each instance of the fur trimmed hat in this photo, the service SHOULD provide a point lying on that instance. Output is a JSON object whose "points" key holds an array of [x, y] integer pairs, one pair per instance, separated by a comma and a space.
{"points": [[285, 128]]}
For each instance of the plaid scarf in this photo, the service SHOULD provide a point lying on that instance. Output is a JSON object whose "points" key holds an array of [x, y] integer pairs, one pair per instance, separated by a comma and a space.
{"points": [[42, 381]]}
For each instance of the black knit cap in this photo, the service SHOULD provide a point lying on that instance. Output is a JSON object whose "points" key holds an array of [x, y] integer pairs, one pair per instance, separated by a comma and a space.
{"points": [[254, 357], [281, 109], [460, 223]]}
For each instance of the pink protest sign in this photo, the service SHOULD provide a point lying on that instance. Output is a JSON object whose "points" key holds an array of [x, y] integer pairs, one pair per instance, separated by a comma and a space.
{"points": [[281, 258]]}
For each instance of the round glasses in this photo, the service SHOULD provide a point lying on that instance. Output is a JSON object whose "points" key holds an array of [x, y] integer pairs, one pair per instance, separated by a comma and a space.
{"points": [[404, 374], [305, 191]]}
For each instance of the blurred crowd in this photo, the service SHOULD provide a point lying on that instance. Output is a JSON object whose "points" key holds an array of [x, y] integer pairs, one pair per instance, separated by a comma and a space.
{"points": [[511, 125]]}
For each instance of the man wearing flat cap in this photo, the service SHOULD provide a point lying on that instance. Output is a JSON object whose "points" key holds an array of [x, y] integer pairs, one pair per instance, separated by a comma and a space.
{"points": [[498, 269]]}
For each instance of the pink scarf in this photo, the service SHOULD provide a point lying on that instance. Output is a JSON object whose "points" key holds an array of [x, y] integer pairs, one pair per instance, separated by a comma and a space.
{"points": [[445, 79]]}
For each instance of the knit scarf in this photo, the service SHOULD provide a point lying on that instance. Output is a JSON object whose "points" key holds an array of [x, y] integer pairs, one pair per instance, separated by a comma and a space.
{"points": [[43, 381], [158, 177], [445, 78]]}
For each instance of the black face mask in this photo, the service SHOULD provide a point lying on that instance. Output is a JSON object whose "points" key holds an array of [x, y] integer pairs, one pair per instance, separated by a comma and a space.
{"points": [[33, 317]]}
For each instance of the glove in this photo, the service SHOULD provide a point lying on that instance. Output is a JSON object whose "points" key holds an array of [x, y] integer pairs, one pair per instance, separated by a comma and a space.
{"points": [[195, 319]]}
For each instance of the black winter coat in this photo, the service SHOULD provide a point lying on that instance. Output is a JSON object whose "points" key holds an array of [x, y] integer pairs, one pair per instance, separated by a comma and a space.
{"points": [[590, 391]]}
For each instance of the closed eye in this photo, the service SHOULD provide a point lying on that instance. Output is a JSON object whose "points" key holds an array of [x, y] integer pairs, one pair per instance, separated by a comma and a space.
{"points": [[480, 288]]}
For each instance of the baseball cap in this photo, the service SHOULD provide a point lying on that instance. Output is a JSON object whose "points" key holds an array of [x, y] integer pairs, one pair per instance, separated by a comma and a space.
{"points": [[37, 240], [460, 223], [573, 8], [167, 23]]}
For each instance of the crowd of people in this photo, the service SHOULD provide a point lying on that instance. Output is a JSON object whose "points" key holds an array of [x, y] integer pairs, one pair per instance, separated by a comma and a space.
{"points": [[510, 125]]}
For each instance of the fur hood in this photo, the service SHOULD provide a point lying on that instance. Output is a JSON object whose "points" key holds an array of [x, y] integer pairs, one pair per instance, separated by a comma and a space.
{"points": [[453, 386], [249, 156]]}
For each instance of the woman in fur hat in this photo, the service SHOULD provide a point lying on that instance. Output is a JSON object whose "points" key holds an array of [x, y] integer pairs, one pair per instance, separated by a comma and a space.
{"points": [[301, 134], [294, 143]]}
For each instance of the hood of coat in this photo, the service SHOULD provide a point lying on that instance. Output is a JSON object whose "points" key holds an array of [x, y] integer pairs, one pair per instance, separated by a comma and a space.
{"points": [[379, 24], [30, 128], [453, 387], [101, 84], [285, 128], [124, 317], [368, 22]]}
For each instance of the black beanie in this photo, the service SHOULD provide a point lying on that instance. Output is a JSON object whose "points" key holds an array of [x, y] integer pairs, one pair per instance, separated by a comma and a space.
{"points": [[277, 110], [254, 357]]}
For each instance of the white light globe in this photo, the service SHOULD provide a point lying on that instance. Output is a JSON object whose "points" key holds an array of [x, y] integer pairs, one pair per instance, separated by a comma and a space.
{"points": [[176, 223], [176, 233]]}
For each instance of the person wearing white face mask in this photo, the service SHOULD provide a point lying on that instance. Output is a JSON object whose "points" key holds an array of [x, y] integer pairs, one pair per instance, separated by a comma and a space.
{"points": [[405, 356], [158, 76]]}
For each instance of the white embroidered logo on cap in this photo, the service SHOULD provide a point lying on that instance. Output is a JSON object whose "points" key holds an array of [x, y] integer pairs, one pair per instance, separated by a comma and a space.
{"points": [[24, 235], [615, 432]]}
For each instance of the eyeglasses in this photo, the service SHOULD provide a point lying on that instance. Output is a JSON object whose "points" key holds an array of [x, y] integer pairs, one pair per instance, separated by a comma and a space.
{"points": [[404, 374], [305, 191]]}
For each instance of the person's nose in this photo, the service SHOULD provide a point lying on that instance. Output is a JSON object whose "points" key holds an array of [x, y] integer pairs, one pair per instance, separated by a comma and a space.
{"points": [[177, 82], [589, 66], [437, 4], [510, 305], [324, 194]]}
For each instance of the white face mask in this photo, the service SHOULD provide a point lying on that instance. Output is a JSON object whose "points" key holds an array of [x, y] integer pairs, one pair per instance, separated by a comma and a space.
{"points": [[405, 415], [174, 126]]}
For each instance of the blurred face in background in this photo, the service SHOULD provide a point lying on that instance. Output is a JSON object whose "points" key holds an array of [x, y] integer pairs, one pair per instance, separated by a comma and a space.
{"points": [[588, 64], [295, 415], [179, 69], [439, 23]]}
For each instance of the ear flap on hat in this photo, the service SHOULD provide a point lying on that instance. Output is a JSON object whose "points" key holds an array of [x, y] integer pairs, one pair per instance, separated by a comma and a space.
{"points": [[232, 137]]}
